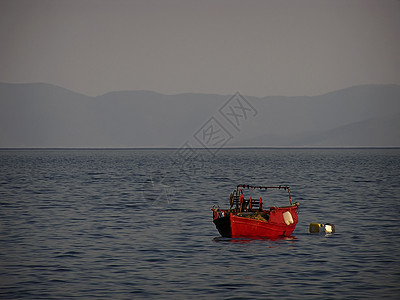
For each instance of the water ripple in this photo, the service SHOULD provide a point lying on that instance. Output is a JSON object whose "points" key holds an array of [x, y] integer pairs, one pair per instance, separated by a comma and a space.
{"points": [[127, 224]]}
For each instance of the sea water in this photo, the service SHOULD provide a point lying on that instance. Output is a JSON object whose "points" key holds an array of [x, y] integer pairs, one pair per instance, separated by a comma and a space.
{"points": [[131, 224]]}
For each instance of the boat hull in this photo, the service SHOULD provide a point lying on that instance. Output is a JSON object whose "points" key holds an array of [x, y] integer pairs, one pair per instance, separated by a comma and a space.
{"points": [[223, 226], [244, 227], [234, 226]]}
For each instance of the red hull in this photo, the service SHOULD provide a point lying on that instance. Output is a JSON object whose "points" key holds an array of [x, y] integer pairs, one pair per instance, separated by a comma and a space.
{"points": [[275, 227], [235, 226], [246, 217]]}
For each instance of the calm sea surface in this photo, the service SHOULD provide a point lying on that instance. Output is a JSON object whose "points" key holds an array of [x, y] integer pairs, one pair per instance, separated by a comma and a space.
{"points": [[124, 224]]}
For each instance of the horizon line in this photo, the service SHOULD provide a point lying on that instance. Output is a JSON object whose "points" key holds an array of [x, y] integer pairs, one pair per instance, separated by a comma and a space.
{"points": [[201, 148], [195, 93]]}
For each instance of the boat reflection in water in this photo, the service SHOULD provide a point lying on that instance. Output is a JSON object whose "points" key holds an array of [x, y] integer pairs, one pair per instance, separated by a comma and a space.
{"points": [[221, 239]]}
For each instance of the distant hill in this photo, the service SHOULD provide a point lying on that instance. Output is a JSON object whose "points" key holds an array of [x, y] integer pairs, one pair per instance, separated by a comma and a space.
{"points": [[369, 133], [44, 115], [360, 116], [377, 132]]}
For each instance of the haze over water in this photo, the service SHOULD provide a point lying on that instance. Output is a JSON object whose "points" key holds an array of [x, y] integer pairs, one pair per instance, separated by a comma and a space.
{"points": [[128, 224]]}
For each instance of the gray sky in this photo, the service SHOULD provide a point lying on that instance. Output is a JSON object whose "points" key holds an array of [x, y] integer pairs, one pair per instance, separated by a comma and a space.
{"points": [[258, 48]]}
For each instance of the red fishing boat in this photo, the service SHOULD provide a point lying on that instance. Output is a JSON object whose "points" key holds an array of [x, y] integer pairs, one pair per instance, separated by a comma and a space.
{"points": [[247, 217]]}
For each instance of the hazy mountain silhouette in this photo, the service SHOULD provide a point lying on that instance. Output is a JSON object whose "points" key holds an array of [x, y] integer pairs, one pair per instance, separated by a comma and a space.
{"points": [[374, 133], [360, 116], [44, 115]]}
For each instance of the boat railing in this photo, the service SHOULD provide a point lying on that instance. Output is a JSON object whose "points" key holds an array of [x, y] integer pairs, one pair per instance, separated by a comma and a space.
{"points": [[246, 186]]}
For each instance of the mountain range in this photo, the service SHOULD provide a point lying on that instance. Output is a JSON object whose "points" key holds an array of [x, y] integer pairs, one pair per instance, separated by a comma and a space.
{"points": [[39, 115]]}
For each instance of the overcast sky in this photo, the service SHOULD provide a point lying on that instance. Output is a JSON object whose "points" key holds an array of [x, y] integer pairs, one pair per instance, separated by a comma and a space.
{"points": [[259, 48]]}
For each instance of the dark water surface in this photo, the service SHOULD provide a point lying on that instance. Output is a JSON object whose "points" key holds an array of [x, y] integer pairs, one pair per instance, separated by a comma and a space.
{"points": [[123, 224]]}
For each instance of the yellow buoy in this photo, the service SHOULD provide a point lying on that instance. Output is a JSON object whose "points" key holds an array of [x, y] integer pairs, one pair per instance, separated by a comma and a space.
{"points": [[314, 227], [327, 228]]}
